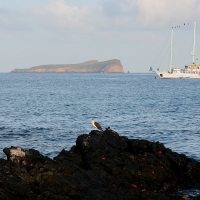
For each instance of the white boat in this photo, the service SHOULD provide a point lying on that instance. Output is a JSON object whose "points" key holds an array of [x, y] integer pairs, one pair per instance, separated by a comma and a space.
{"points": [[190, 71]]}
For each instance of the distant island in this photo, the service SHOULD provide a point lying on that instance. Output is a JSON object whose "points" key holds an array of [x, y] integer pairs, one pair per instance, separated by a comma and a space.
{"points": [[93, 66]]}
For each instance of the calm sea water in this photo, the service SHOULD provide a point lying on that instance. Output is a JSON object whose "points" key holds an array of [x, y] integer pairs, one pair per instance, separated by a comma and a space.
{"points": [[48, 111]]}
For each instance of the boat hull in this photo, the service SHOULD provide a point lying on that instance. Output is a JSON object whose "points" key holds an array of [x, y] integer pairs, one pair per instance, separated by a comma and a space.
{"points": [[168, 75]]}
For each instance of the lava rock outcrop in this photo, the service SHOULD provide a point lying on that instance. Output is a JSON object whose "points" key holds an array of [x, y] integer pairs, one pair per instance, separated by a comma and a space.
{"points": [[102, 165]]}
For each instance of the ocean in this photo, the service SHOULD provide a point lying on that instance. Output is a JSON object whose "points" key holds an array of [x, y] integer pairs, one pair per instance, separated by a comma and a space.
{"points": [[48, 111]]}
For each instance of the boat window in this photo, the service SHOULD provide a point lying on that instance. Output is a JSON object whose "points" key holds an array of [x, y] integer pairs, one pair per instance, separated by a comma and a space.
{"points": [[161, 75]]}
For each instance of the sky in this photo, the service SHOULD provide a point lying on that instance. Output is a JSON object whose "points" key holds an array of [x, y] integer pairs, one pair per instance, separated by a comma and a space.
{"points": [[136, 32]]}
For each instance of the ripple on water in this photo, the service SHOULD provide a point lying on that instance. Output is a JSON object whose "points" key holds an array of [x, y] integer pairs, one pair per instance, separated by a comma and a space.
{"points": [[48, 111]]}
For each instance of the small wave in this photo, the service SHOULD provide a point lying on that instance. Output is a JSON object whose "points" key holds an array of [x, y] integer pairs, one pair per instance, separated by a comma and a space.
{"points": [[2, 128], [192, 192]]}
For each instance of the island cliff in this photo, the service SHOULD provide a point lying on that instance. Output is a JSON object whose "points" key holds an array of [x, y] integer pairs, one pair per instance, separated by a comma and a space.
{"points": [[110, 66]]}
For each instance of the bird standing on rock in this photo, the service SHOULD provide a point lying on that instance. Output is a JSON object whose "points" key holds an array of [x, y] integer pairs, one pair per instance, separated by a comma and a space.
{"points": [[96, 125]]}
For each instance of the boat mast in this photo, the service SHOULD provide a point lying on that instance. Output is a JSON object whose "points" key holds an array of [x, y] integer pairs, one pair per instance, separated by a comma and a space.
{"points": [[171, 55], [193, 51]]}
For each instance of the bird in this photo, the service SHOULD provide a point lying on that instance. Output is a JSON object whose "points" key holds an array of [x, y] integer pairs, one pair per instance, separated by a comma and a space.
{"points": [[96, 125]]}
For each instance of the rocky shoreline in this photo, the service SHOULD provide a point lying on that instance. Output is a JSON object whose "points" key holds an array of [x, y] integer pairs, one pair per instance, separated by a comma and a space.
{"points": [[102, 165]]}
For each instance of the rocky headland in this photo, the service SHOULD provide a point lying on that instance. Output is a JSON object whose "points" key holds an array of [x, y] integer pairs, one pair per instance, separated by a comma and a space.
{"points": [[92, 66], [101, 166]]}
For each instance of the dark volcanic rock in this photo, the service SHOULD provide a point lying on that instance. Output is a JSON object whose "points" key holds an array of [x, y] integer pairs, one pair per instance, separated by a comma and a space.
{"points": [[102, 165]]}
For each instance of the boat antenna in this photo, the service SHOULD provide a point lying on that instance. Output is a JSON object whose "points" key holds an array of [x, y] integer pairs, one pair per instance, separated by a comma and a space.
{"points": [[171, 55], [193, 51]]}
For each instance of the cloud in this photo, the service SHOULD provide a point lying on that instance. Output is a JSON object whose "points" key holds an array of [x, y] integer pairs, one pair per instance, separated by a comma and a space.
{"points": [[107, 15], [121, 15], [62, 16], [117, 20], [112, 8], [153, 13]]}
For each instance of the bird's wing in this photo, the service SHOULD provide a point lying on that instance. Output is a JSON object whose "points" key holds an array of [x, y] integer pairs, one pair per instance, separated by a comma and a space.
{"points": [[98, 125]]}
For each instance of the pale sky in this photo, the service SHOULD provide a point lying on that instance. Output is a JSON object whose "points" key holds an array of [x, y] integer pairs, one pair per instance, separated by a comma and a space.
{"points": [[42, 32]]}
